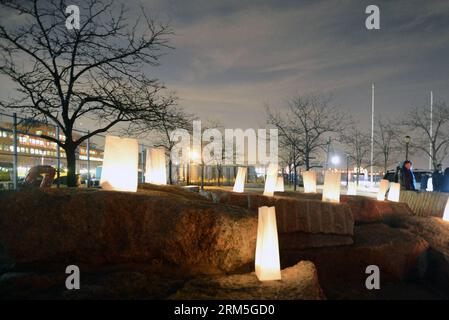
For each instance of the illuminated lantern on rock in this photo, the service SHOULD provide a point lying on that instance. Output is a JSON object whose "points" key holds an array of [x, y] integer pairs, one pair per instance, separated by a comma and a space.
{"points": [[331, 189], [383, 187], [120, 163], [279, 184], [271, 180], [239, 185], [393, 194], [352, 189], [267, 246], [155, 167], [309, 179]]}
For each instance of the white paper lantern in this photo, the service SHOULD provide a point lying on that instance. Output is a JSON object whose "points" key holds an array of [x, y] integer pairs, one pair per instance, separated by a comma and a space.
{"points": [[155, 171], [120, 164], [331, 189], [267, 246], [383, 187], [309, 180], [393, 194], [271, 180], [239, 185], [279, 184], [352, 189], [446, 211], [429, 186]]}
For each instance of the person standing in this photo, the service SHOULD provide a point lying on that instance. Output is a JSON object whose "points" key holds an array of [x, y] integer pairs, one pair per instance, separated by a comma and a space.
{"points": [[437, 178], [397, 174], [407, 177], [445, 181]]}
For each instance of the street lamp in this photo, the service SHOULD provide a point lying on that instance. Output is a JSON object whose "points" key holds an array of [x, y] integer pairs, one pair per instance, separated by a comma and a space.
{"points": [[335, 160], [407, 142]]}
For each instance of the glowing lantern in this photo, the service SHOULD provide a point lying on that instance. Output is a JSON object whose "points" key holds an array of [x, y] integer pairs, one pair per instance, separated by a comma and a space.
{"points": [[429, 185], [155, 171], [120, 163], [383, 187], [309, 179], [267, 246], [331, 189], [270, 182], [393, 194], [239, 185], [352, 189], [446, 211], [279, 184]]}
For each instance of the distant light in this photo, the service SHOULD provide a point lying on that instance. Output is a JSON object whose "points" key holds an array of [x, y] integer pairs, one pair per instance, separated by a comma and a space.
{"points": [[194, 156], [335, 160]]}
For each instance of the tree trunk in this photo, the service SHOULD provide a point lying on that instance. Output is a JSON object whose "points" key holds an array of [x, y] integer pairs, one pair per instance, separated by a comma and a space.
{"points": [[307, 158], [170, 178], [70, 152], [202, 177], [295, 174]]}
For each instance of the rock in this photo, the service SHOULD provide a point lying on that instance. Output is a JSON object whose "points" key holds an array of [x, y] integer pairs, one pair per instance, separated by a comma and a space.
{"points": [[295, 214], [299, 282], [130, 281], [74, 226], [436, 232], [398, 253], [302, 240], [368, 210]]}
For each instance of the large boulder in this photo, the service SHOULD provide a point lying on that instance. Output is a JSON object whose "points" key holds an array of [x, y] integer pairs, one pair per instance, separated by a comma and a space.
{"points": [[399, 254], [77, 226], [299, 282], [301, 222], [436, 232], [364, 209]]}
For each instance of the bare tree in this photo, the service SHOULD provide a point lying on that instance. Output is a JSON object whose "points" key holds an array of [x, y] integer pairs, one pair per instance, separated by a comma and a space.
{"points": [[387, 141], [304, 126], [358, 146], [418, 124], [289, 141], [94, 72]]}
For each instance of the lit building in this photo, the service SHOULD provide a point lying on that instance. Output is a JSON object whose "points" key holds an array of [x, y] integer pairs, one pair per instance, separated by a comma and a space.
{"points": [[34, 150]]}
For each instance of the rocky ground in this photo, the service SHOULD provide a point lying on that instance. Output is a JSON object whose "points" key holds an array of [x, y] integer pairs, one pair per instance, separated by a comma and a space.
{"points": [[168, 243]]}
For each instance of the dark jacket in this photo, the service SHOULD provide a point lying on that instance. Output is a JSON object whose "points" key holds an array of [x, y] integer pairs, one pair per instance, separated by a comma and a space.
{"points": [[437, 180], [445, 181], [407, 179], [397, 174]]}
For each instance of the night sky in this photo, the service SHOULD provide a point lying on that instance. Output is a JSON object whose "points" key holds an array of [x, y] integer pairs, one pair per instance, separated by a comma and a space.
{"points": [[233, 57]]}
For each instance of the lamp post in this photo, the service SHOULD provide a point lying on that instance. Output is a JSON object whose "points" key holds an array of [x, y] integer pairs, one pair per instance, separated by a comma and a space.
{"points": [[407, 142], [347, 170]]}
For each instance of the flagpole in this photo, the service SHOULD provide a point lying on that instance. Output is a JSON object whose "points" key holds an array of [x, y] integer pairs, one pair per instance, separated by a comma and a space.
{"points": [[430, 129], [372, 132]]}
